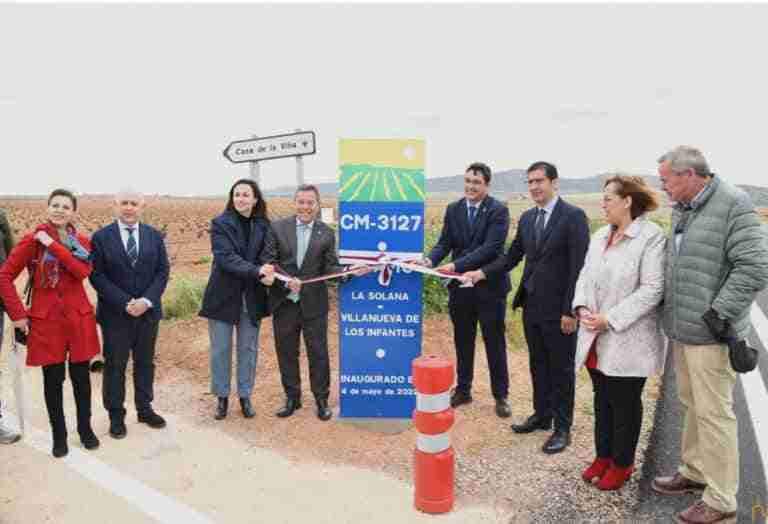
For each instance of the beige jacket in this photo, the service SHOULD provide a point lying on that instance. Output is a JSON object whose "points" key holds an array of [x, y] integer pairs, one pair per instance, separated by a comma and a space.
{"points": [[626, 284]]}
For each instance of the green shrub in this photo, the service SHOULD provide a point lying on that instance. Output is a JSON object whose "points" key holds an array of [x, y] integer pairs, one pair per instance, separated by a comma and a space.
{"points": [[184, 297], [435, 296]]}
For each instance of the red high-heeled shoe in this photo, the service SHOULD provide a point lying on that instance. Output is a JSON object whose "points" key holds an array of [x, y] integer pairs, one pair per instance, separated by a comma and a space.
{"points": [[597, 469], [615, 477]]}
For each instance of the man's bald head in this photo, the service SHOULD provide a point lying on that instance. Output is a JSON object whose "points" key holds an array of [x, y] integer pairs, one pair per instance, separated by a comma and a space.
{"points": [[129, 205]]}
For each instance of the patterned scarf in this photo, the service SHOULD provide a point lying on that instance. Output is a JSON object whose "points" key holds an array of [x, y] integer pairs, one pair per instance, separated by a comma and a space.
{"points": [[48, 263]]}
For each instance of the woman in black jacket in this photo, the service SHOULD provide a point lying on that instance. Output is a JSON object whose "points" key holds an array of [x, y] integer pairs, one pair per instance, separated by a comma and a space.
{"points": [[235, 294]]}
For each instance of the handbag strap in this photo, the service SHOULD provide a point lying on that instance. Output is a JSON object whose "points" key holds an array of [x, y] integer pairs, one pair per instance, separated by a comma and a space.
{"points": [[30, 281]]}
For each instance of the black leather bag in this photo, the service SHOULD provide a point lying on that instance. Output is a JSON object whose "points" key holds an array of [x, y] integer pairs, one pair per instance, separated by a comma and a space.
{"points": [[19, 335], [743, 358]]}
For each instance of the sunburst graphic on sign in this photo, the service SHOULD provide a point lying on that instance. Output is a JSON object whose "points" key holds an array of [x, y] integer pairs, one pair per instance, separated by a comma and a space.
{"points": [[367, 183]]}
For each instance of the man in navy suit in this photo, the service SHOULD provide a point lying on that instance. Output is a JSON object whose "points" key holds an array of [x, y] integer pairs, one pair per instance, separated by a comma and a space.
{"points": [[474, 230], [553, 237], [130, 273]]}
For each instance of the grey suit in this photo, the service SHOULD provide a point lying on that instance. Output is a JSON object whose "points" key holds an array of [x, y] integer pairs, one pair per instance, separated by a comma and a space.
{"points": [[310, 314]]}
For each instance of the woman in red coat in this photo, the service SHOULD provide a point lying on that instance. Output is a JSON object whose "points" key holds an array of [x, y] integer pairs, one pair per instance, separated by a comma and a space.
{"points": [[60, 322]]}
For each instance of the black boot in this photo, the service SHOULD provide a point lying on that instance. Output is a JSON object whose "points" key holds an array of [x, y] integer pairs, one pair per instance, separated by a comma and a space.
{"points": [[245, 404], [53, 380], [221, 408], [81, 388]]}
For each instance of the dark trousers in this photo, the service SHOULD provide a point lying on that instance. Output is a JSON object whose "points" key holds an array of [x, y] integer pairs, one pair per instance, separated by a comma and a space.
{"points": [[288, 325], [618, 416], [466, 311], [551, 359], [53, 391], [124, 337]]}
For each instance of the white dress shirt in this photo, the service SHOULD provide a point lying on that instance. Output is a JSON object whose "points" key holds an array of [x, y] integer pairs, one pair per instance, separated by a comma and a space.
{"points": [[476, 205], [124, 234], [548, 209], [124, 237]]}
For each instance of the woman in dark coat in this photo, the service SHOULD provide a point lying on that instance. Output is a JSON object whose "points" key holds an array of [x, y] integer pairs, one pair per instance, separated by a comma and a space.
{"points": [[60, 322], [236, 295]]}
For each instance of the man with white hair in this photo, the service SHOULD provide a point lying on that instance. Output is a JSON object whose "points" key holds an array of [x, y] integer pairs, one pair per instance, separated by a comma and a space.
{"points": [[130, 273], [716, 263]]}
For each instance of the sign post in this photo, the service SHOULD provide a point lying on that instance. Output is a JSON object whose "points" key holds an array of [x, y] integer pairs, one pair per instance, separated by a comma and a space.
{"points": [[255, 169], [256, 149], [381, 213]]}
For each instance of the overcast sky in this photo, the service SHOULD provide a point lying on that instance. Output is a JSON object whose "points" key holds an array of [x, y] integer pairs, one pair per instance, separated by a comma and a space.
{"points": [[94, 97]]}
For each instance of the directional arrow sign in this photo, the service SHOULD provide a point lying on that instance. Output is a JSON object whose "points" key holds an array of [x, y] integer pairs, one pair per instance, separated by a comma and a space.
{"points": [[265, 148]]}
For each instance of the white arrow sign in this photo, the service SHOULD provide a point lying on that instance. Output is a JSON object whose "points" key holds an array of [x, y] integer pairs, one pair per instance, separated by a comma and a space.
{"points": [[278, 146]]}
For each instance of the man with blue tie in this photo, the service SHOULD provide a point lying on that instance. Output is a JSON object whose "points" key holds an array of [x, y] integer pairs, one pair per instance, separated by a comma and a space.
{"points": [[303, 247], [130, 273], [553, 236], [474, 230]]}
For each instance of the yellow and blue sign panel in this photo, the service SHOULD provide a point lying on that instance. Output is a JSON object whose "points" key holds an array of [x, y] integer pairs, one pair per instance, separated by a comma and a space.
{"points": [[381, 211]]}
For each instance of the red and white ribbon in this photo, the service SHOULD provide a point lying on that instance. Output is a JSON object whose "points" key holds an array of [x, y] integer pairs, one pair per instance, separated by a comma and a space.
{"points": [[384, 262], [280, 274], [381, 262]]}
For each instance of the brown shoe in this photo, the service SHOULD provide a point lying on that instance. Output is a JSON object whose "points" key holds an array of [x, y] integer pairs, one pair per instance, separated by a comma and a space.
{"points": [[701, 513], [676, 485]]}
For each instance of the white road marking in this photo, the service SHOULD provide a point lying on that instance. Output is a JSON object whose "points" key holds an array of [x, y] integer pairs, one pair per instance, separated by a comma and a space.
{"points": [[754, 388], [153, 503]]}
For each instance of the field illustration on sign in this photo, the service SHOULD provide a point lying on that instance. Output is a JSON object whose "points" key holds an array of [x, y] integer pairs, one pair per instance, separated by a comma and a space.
{"points": [[368, 183]]}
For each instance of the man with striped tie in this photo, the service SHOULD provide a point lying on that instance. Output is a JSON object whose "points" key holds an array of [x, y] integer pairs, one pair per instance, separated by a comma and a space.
{"points": [[130, 273]]}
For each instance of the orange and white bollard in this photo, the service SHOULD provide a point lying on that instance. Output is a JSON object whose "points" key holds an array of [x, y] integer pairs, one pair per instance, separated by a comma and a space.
{"points": [[433, 418]]}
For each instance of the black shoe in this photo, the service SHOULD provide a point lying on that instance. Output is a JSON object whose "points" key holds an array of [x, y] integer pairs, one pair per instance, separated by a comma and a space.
{"points": [[97, 366], [502, 408], [557, 442], [323, 412], [532, 424], [90, 440], [117, 429], [245, 405], [221, 408], [152, 419], [459, 397], [60, 448], [291, 405]]}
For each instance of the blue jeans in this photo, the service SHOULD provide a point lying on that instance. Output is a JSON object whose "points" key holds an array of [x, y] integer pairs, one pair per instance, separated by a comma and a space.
{"points": [[220, 334]]}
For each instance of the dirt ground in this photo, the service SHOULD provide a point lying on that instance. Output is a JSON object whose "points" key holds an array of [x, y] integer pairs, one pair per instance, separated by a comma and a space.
{"points": [[500, 477], [494, 466]]}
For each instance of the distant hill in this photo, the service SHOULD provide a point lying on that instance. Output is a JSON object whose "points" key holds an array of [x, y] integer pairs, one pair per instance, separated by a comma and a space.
{"points": [[503, 183], [512, 183]]}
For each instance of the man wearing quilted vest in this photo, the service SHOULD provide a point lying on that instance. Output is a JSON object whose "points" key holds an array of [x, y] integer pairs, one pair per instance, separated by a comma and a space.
{"points": [[717, 261]]}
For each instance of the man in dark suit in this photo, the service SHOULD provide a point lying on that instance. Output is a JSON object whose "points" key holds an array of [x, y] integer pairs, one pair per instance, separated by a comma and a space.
{"points": [[553, 237], [474, 230], [130, 273], [303, 247]]}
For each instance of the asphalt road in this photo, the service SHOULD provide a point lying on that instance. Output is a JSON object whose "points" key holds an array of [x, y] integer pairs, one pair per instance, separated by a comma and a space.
{"points": [[663, 454]]}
